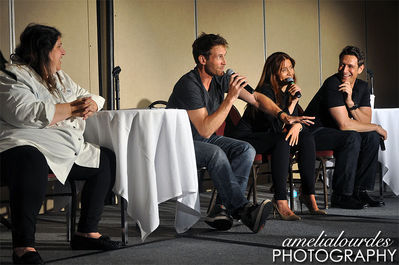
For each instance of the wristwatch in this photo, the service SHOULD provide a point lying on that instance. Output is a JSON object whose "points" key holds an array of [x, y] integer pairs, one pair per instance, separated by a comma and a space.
{"points": [[355, 106]]}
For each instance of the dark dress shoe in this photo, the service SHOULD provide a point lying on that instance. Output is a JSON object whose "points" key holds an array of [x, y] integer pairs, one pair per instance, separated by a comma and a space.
{"points": [[366, 199], [87, 243], [31, 257], [346, 202]]}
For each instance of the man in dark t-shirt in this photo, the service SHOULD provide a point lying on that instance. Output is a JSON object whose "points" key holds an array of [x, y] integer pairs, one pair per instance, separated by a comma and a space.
{"points": [[228, 161], [343, 124]]}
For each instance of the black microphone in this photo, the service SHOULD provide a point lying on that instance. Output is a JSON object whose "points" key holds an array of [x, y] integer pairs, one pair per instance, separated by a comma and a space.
{"points": [[371, 75], [290, 81], [382, 144], [248, 88]]}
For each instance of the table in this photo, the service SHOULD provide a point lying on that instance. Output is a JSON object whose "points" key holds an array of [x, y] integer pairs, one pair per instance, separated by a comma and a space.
{"points": [[388, 119], [155, 162]]}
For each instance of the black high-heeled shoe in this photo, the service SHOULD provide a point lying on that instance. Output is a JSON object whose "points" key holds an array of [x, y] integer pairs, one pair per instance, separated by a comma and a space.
{"points": [[308, 204], [31, 257]]}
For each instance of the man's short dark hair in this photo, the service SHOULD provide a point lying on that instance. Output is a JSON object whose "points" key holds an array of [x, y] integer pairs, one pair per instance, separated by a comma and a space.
{"points": [[204, 43], [355, 51]]}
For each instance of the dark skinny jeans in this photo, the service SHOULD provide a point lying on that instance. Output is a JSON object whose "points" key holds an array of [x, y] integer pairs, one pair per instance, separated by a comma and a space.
{"points": [[274, 144], [25, 171]]}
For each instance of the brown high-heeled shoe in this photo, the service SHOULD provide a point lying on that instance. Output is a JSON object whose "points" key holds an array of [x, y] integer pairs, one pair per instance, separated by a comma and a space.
{"points": [[308, 204], [277, 213]]}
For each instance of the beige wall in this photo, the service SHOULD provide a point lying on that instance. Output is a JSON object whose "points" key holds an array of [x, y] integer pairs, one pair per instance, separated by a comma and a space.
{"points": [[4, 29], [241, 23], [153, 48], [153, 39], [383, 50], [340, 26], [156, 37], [76, 19], [292, 27]]}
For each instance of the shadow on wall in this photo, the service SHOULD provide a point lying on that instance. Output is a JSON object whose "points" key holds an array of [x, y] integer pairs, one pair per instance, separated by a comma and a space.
{"points": [[144, 103]]}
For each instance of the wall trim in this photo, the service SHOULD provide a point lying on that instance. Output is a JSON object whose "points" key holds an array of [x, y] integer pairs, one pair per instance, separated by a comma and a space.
{"points": [[264, 30], [320, 56], [11, 18], [195, 19]]}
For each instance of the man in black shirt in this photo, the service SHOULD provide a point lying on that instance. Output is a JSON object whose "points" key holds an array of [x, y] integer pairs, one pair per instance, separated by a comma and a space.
{"points": [[228, 161], [343, 124]]}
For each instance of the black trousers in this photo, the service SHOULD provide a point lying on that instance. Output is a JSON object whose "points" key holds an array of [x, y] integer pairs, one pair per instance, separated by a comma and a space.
{"points": [[356, 155], [24, 170], [279, 149]]}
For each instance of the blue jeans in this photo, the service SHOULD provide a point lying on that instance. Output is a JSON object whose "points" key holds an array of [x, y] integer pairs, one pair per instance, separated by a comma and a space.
{"points": [[356, 155], [228, 162]]}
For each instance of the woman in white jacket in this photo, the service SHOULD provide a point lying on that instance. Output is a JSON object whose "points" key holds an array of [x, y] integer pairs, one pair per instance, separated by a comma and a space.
{"points": [[42, 120]]}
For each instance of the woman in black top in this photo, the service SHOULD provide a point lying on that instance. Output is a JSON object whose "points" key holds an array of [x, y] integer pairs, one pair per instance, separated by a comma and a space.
{"points": [[269, 135]]}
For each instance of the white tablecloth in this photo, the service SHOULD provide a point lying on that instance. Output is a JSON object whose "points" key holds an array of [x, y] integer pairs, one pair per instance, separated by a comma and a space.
{"points": [[389, 120], [155, 162]]}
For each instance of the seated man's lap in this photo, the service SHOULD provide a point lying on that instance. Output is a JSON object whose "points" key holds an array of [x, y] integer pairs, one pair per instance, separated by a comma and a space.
{"points": [[334, 139], [370, 138], [206, 152], [222, 148]]}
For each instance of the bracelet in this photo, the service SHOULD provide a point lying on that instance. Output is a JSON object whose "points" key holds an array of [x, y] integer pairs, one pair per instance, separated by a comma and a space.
{"points": [[354, 107], [279, 115]]}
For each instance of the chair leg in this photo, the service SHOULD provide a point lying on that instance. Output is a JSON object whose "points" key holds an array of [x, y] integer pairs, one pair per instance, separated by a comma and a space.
{"points": [[291, 184], [68, 220], [201, 173], [323, 164], [381, 181], [250, 191], [254, 180], [5, 222], [252, 188], [124, 223], [212, 202], [72, 210]]}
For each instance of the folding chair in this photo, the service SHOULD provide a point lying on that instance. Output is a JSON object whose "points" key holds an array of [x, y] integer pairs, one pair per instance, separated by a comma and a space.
{"points": [[158, 104], [323, 157]]}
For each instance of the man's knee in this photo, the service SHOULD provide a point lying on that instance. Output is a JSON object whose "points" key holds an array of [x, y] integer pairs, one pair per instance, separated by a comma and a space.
{"points": [[370, 139], [208, 155], [353, 140], [218, 156], [248, 152]]}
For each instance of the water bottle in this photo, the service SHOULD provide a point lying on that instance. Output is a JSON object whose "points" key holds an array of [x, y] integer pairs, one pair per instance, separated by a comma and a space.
{"points": [[295, 198]]}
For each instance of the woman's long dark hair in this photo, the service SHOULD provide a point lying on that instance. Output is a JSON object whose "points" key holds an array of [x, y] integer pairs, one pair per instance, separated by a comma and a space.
{"points": [[270, 76], [36, 43]]}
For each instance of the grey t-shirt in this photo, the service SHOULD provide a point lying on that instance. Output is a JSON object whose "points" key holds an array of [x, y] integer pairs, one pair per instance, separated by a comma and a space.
{"points": [[190, 94]]}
